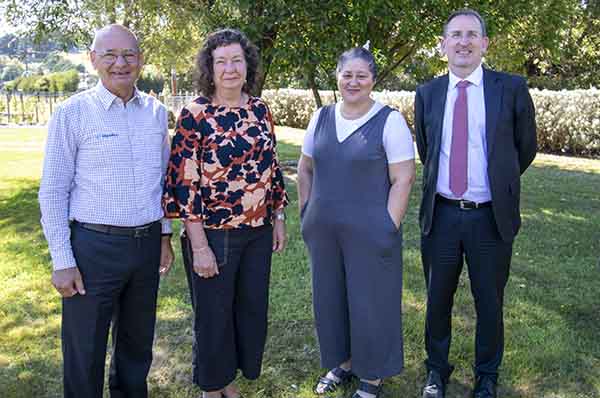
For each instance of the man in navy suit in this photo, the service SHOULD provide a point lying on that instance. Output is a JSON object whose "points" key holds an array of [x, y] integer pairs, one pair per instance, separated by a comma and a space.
{"points": [[476, 135]]}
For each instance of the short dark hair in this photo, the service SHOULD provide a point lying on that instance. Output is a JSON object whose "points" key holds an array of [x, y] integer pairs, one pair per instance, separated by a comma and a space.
{"points": [[204, 60], [360, 53], [468, 12]]}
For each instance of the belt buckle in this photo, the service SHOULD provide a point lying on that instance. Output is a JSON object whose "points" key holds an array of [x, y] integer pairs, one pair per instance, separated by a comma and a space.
{"points": [[140, 232], [462, 204]]}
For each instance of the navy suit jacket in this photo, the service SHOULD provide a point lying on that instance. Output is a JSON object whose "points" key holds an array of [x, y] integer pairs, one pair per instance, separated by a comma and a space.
{"points": [[511, 143]]}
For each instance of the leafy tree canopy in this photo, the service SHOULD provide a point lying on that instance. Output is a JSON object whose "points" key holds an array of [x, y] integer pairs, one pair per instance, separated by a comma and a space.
{"points": [[300, 40]]}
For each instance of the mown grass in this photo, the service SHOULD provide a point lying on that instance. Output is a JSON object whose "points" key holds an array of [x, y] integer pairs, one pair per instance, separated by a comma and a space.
{"points": [[552, 311]]}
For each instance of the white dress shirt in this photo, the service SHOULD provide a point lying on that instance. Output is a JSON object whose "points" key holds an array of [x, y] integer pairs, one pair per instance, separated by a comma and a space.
{"points": [[478, 187], [105, 164]]}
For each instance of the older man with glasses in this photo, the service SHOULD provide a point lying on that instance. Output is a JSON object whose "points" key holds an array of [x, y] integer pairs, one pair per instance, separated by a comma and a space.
{"points": [[100, 199]]}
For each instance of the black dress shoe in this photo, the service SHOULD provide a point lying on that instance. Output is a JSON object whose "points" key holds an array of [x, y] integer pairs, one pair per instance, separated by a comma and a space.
{"points": [[435, 387], [485, 387]]}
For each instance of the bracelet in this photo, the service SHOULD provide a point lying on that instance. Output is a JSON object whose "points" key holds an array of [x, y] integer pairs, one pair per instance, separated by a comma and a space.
{"points": [[169, 234], [279, 216]]}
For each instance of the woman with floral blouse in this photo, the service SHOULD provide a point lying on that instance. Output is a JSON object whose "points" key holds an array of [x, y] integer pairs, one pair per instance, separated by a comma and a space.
{"points": [[224, 182]]}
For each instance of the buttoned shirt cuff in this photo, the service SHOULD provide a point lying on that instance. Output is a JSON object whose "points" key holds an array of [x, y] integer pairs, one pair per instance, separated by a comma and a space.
{"points": [[165, 226], [62, 259]]}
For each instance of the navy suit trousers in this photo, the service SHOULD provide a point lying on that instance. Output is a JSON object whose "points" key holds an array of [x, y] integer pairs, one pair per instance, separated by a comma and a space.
{"points": [[458, 234], [120, 274]]}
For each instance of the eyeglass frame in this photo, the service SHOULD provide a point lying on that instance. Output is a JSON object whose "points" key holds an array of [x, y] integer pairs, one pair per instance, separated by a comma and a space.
{"points": [[123, 53]]}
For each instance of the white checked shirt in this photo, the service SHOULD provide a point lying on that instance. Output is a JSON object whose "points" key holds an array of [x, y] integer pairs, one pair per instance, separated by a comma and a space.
{"points": [[105, 164]]}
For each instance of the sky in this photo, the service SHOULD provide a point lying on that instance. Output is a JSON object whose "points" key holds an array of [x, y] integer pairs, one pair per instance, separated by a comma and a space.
{"points": [[4, 27]]}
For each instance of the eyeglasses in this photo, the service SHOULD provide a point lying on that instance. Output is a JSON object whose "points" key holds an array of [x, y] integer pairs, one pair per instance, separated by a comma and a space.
{"points": [[110, 57], [471, 35]]}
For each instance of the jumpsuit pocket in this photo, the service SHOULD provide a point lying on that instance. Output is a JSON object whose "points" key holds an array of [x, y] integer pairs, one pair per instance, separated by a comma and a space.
{"points": [[390, 221], [303, 209], [391, 245], [392, 255]]}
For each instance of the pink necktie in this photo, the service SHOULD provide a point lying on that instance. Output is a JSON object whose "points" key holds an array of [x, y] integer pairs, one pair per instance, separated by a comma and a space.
{"points": [[458, 147]]}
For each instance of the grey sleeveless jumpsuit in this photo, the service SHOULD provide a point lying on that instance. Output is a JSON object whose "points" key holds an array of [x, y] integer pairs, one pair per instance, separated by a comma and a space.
{"points": [[355, 250]]}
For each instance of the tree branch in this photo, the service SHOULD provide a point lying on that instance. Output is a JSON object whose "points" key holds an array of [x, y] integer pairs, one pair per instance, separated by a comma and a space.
{"points": [[384, 74]]}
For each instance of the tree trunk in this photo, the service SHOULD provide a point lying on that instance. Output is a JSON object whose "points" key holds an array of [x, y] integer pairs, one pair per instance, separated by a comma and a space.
{"points": [[312, 84], [265, 45]]}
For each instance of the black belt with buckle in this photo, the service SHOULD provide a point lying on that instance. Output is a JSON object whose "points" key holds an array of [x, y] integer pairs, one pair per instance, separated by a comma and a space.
{"points": [[135, 232], [464, 204]]}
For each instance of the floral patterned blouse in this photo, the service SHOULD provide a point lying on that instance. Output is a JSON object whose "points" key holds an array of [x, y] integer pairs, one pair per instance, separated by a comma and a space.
{"points": [[223, 170]]}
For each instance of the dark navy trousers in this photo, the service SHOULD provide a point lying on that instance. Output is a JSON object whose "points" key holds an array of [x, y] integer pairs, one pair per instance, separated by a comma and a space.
{"points": [[230, 309], [120, 275], [455, 235]]}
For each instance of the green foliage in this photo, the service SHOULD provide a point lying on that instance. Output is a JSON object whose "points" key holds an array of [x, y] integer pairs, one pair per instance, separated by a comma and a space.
{"points": [[66, 81], [55, 62], [556, 45], [53, 82], [11, 72], [10, 68], [552, 42], [568, 122], [151, 80]]}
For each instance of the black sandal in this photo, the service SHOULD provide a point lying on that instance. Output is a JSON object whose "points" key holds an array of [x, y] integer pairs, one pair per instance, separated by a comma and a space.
{"points": [[368, 388], [330, 385]]}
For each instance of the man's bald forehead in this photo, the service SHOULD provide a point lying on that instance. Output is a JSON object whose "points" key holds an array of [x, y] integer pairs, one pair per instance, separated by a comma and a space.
{"points": [[111, 31]]}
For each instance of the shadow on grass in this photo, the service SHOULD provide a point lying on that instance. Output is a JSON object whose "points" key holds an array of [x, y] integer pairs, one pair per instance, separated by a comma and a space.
{"points": [[19, 209], [31, 364], [552, 305], [37, 378]]}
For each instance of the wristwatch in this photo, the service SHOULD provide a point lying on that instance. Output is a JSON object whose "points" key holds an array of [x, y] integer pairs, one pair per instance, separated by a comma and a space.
{"points": [[279, 216]]}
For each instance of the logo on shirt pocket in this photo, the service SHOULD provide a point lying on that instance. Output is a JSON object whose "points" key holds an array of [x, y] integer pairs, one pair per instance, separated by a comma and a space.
{"points": [[107, 135]]}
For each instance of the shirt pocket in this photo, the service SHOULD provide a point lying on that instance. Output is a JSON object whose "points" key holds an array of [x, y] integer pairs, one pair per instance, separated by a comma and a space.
{"points": [[101, 150], [150, 143]]}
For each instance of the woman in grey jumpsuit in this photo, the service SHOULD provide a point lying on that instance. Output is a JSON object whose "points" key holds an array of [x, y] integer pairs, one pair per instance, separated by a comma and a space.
{"points": [[354, 180]]}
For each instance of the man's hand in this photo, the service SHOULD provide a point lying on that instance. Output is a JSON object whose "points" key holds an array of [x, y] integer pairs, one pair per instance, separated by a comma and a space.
{"points": [[205, 263], [279, 236], [68, 282], [166, 255]]}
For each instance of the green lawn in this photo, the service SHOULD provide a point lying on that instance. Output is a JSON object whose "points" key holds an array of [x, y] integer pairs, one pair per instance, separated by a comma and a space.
{"points": [[552, 311]]}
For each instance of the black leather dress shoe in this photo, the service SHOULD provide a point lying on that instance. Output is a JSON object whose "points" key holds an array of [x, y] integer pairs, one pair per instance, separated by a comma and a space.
{"points": [[434, 386], [485, 387]]}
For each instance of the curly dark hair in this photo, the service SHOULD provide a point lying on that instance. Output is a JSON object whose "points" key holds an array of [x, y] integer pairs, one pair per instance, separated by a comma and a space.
{"points": [[204, 60]]}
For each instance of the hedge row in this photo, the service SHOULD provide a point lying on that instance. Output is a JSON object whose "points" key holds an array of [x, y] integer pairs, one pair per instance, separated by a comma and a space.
{"points": [[56, 82], [568, 121]]}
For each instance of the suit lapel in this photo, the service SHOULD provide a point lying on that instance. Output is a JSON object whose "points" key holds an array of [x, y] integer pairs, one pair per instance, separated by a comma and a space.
{"points": [[438, 104], [492, 92]]}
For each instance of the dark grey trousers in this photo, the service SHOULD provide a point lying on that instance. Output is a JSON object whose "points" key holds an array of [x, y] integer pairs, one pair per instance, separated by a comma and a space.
{"points": [[356, 260]]}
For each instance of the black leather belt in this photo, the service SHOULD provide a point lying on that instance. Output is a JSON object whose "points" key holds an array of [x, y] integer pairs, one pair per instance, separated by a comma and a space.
{"points": [[463, 204], [135, 232]]}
